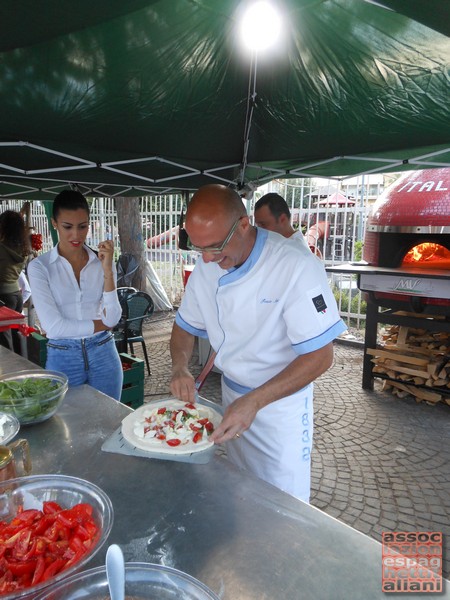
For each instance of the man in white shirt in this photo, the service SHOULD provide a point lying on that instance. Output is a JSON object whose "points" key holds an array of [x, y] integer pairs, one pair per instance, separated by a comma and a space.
{"points": [[267, 309], [272, 213]]}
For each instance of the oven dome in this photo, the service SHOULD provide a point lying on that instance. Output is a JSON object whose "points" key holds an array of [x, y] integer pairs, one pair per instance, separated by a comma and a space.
{"points": [[414, 209], [416, 199]]}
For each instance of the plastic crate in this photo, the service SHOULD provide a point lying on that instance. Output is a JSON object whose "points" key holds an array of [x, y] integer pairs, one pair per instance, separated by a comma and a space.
{"points": [[133, 395], [37, 349], [133, 381]]}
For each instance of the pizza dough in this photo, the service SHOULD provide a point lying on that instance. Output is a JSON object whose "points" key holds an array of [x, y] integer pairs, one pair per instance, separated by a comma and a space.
{"points": [[153, 429]]}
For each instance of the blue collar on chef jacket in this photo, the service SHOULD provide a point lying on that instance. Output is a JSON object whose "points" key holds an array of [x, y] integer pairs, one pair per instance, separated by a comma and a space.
{"points": [[235, 273]]}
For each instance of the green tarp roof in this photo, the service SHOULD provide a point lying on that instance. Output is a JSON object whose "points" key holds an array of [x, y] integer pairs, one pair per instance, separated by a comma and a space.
{"points": [[130, 97]]}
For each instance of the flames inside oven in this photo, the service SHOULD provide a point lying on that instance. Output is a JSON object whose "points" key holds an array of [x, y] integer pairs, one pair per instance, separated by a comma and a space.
{"points": [[427, 255]]}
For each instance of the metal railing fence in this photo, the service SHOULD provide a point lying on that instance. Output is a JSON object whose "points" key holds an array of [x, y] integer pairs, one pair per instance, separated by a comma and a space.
{"points": [[344, 225]]}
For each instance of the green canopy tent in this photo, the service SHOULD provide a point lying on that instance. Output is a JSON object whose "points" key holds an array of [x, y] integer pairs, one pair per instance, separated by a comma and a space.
{"points": [[149, 96]]}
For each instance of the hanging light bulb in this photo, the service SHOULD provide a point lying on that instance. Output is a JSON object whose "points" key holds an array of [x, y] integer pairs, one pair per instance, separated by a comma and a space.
{"points": [[260, 26]]}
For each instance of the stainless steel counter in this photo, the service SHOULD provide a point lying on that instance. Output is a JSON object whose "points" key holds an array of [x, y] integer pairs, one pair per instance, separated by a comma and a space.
{"points": [[243, 538]]}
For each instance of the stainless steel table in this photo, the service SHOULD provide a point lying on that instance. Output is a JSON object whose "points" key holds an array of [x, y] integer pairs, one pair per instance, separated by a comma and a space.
{"points": [[242, 537]]}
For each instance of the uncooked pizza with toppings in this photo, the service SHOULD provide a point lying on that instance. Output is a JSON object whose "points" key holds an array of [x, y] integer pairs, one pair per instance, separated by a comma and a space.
{"points": [[171, 427]]}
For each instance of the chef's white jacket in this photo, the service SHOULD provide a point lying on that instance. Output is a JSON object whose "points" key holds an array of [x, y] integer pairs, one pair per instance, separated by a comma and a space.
{"points": [[259, 318]]}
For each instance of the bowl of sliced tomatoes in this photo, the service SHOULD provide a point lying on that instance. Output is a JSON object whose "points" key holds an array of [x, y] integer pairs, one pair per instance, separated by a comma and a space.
{"points": [[50, 527]]}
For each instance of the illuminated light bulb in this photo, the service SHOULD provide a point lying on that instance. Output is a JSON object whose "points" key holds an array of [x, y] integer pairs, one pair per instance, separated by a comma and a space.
{"points": [[260, 26]]}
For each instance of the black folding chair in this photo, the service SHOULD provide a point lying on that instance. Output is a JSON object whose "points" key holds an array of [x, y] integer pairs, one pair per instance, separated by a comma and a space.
{"points": [[123, 293], [137, 308]]}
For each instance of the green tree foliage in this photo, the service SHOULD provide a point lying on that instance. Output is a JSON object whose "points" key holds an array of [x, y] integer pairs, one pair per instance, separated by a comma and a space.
{"points": [[358, 249]]}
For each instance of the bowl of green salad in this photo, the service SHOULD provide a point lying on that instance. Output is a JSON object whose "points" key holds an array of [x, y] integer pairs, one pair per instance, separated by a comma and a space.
{"points": [[32, 396]]}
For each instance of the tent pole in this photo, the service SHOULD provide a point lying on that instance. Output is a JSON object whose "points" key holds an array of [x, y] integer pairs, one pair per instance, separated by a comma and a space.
{"points": [[251, 103]]}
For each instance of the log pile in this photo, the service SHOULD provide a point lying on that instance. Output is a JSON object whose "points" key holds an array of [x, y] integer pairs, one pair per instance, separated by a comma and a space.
{"points": [[414, 362]]}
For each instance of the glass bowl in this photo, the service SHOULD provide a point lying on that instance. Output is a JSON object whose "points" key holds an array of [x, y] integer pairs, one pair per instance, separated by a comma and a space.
{"points": [[9, 428], [30, 492], [143, 581], [32, 396]]}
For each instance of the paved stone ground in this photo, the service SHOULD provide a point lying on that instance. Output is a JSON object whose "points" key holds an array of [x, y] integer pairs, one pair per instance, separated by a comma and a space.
{"points": [[379, 463]]}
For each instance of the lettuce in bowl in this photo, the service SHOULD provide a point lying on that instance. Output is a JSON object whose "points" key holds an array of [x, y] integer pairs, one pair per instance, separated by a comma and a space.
{"points": [[32, 396]]}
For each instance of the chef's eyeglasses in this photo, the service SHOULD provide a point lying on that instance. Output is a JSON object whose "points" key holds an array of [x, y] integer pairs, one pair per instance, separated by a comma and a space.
{"points": [[216, 249]]}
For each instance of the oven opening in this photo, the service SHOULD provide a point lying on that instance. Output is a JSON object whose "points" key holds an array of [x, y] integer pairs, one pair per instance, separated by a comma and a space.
{"points": [[427, 255]]}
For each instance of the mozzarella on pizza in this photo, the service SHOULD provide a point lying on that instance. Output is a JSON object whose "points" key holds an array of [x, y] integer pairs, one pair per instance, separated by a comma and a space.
{"points": [[171, 426]]}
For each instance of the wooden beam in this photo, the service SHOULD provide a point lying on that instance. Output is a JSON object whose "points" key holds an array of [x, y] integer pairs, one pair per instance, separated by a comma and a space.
{"points": [[412, 360]]}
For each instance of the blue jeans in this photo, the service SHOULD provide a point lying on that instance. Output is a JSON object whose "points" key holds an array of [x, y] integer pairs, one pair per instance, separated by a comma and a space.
{"points": [[93, 360]]}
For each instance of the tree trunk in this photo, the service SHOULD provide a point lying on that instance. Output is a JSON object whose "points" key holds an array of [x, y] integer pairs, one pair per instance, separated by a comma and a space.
{"points": [[129, 224]]}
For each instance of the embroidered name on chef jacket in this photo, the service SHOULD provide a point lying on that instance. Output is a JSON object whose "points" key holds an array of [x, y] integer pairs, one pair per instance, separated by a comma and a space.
{"points": [[320, 304]]}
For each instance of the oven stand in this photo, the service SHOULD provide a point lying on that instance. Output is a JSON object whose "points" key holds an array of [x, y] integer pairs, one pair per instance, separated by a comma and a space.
{"points": [[389, 315]]}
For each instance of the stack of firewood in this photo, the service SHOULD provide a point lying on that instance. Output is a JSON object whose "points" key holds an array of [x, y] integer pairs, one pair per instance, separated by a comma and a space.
{"points": [[415, 361]]}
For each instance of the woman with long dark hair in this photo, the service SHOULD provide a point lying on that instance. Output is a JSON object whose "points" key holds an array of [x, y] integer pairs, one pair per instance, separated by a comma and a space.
{"points": [[14, 249], [75, 297]]}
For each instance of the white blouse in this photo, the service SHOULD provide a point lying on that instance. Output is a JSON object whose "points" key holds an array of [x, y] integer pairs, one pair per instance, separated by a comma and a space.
{"points": [[65, 308]]}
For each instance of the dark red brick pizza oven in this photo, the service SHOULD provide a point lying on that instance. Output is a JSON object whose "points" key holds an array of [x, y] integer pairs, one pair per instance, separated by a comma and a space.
{"points": [[414, 210]]}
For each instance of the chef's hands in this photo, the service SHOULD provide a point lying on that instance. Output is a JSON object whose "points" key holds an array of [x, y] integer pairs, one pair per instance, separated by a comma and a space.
{"points": [[237, 418], [182, 385]]}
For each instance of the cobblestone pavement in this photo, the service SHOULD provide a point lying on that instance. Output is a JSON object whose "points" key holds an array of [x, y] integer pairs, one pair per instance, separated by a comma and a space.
{"points": [[379, 463]]}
